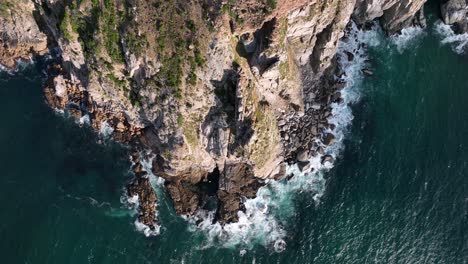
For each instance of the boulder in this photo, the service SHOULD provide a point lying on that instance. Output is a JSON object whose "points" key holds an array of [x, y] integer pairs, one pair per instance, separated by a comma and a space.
{"points": [[327, 158], [329, 139], [454, 11]]}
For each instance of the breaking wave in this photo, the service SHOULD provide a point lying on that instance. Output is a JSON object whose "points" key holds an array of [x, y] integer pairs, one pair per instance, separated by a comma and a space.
{"points": [[106, 129], [407, 38], [84, 120], [266, 215], [458, 42], [132, 202]]}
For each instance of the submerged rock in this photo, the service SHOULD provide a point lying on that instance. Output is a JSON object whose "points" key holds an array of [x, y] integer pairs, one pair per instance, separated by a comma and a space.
{"points": [[367, 72]]}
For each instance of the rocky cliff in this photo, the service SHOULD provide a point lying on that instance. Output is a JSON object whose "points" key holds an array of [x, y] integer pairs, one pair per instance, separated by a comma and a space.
{"points": [[224, 94], [20, 37]]}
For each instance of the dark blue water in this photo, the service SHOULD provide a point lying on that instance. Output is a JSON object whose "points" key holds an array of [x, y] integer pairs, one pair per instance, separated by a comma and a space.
{"points": [[398, 194]]}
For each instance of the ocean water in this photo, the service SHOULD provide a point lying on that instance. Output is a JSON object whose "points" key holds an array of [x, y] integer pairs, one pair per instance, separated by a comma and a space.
{"points": [[398, 191]]}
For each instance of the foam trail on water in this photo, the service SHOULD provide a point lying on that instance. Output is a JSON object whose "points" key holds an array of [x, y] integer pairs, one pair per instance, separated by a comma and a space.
{"points": [[458, 42], [266, 215], [407, 38]]}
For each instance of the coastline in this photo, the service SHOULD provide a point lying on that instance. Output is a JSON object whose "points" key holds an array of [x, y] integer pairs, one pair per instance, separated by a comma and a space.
{"points": [[322, 129]]}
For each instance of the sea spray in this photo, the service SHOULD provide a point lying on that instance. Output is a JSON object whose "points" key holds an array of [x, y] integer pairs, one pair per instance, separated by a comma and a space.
{"points": [[106, 130], [458, 42], [84, 120], [132, 202], [266, 215], [408, 38]]}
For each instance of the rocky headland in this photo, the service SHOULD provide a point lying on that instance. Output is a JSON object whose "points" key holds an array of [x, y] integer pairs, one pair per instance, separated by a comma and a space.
{"points": [[225, 94]]}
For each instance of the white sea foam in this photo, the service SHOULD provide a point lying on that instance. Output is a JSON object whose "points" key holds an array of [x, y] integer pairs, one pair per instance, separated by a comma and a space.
{"points": [[106, 129], [458, 42], [59, 112], [266, 214], [407, 38], [84, 120], [3, 68], [146, 162], [133, 202], [146, 230], [21, 65]]}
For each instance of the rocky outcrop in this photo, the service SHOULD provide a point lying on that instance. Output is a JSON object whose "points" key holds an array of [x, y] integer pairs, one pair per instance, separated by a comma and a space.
{"points": [[455, 12], [394, 14], [141, 188], [224, 93], [20, 37]]}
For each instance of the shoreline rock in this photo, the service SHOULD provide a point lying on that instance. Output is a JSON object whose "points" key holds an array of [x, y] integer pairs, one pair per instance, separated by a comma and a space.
{"points": [[140, 187], [455, 12], [251, 93]]}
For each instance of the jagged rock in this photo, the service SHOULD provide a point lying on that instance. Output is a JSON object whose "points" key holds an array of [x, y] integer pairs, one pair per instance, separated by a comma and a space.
{"points": [[302, 156], [455, 12], [329, 139], [349, 55], [20, 36], [217, 132], [303, 165], [395, 14], [236, 181], [140, 186], [327, 158]]}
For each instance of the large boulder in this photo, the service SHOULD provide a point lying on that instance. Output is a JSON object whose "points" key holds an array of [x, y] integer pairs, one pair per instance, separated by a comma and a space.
{"points": [[455, 12]]}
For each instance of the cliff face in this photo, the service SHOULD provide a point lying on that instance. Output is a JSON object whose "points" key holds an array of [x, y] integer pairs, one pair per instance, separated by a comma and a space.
{"points": [[224, 93], [394, 14], [20, 37]]}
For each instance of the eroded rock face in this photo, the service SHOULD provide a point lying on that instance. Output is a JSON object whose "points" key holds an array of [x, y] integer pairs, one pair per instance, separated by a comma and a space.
{"points": [[224, 94], [394, 14], [455, 12], [20, 37]]}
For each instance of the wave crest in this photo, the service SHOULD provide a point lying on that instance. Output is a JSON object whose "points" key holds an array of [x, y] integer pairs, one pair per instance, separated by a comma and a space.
{"points": [[458, 42]]}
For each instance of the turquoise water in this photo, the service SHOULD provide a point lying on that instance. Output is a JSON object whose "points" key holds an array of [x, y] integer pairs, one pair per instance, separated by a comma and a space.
{"points": [[398, 193]]}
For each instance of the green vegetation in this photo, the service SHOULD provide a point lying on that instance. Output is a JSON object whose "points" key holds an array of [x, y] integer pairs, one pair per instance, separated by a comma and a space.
{"points": [[168, 30], [180, 120], [136, 43], [192, 78], [64, 24], [191, 132], [228, 8], [271, 4], [97, 29], [117, 81], [283, 69], [199, 59], [5, 5], [173, 30], [110, 31]]}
